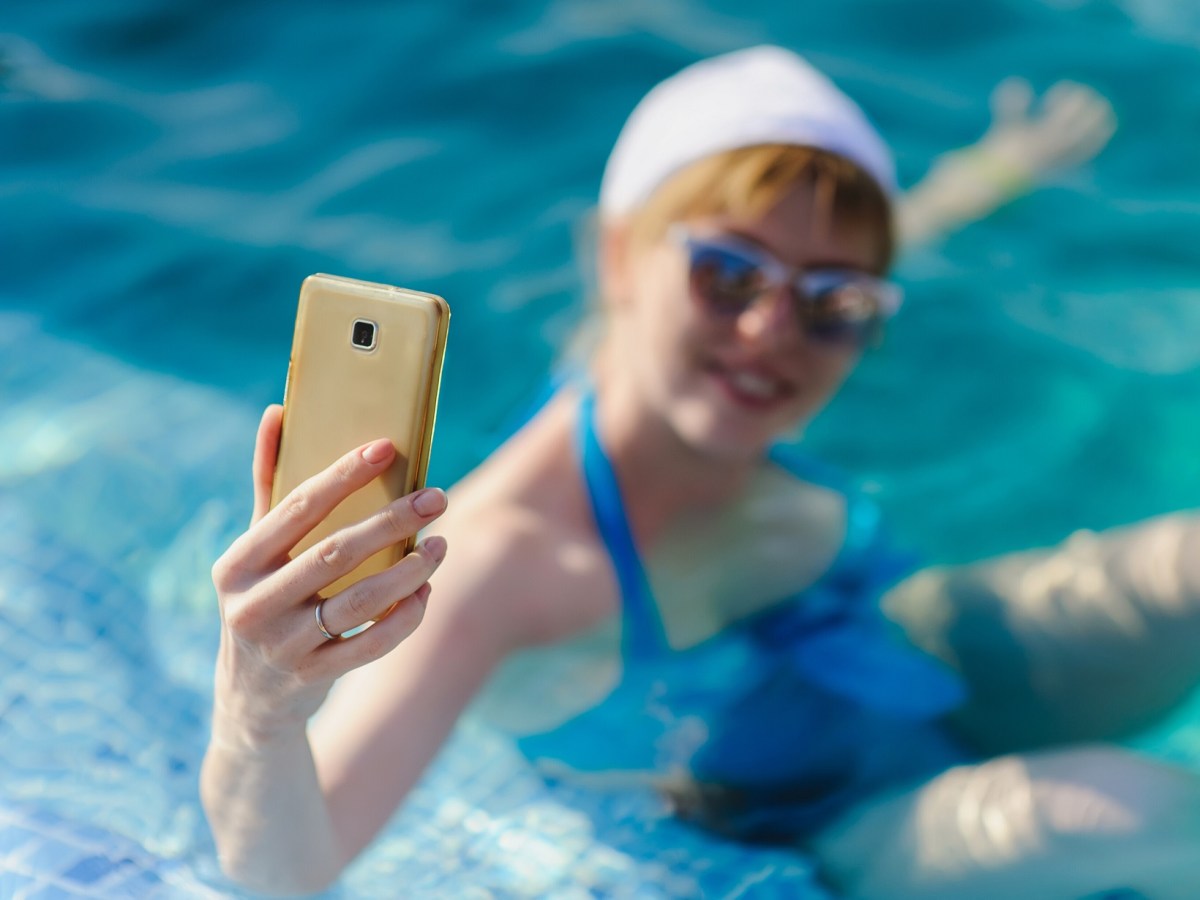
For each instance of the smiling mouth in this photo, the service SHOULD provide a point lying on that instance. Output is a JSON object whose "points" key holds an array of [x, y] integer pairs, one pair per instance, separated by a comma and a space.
{"points": [[751, 389]]}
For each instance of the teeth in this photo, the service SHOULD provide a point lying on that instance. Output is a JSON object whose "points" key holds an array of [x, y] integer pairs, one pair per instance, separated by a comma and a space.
{"points": [[754, 385]]}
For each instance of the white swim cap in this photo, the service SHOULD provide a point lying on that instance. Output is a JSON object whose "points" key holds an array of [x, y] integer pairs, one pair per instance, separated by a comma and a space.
{"points": [[761, 95]]}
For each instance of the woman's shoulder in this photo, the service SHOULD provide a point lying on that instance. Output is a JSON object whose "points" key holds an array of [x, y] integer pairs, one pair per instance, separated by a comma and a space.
{"points": [[543, 578], [528, 490], [522, 537]]}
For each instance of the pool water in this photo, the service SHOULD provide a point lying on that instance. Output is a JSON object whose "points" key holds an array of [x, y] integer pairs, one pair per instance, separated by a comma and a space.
{"points": [[168, 175]]}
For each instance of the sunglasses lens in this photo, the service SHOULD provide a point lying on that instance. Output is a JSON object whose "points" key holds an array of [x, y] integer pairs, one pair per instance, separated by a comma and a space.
{"points": [[843, 311], [724, 280]]}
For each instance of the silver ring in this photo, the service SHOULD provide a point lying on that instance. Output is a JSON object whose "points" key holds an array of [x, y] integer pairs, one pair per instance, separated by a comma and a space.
{"points": [[329, 636]]}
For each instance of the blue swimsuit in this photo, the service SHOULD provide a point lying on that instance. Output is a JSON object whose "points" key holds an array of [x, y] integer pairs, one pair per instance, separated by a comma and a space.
{"points": [[793, 714]]}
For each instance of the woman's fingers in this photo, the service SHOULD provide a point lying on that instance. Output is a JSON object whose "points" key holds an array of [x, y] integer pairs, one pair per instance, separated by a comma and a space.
{"points": [[337, 657], [1082, 119], [276, 533], [343, 551], [266, 449], [371, 599]]}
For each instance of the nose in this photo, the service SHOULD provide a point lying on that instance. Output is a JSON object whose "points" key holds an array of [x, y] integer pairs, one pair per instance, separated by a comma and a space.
{"points": [[770, 319]]}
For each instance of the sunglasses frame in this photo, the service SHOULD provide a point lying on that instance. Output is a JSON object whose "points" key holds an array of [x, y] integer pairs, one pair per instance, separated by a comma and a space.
{"points": [[888, 295]]}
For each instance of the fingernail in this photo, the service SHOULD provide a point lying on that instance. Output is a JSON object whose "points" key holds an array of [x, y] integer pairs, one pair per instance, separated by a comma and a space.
{"points": [[435, 548], [429, 501], [377, 452]]}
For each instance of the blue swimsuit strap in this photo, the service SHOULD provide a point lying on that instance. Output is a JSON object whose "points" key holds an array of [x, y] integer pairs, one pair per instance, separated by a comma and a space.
{"points": [[642, 631], [862, 516]]}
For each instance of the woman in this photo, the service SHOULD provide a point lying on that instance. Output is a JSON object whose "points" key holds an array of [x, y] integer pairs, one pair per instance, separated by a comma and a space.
{"points": [[651, 571]]}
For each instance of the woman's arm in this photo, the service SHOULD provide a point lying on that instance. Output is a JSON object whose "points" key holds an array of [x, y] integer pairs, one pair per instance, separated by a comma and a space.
{"points": [[1073, 125], [272, 826], [291, 804], [385, 722], [1092, 639]]}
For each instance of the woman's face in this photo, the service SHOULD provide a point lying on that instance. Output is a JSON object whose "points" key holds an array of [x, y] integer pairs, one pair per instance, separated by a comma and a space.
{"points": [[729, 385]]}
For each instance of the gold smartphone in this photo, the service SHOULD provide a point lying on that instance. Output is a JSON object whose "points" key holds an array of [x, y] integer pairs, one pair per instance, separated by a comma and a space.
{"points": [[366, 363]]}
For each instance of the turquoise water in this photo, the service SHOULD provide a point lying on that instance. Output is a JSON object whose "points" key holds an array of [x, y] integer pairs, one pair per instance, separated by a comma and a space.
{"points": [[169, 173]]}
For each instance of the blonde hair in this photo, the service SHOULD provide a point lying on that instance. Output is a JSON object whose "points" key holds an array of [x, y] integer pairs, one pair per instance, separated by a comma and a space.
{"points": [[749, 181]]}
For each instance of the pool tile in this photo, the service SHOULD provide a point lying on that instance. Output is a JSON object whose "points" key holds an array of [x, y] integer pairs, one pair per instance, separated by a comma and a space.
{"points": [[92, 869], [56, 892], [14, 885]]}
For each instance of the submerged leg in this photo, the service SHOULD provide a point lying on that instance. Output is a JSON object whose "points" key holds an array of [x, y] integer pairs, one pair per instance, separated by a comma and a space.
{"points": [[1060, 824]]}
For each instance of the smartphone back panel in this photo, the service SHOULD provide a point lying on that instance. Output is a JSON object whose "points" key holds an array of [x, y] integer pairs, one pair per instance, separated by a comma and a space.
{"points": [[366, 363]]}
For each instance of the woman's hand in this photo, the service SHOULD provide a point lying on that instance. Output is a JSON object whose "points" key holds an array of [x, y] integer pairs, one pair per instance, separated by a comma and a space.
{"points": [[1071, 124], [274, 666], [1068, 126]]}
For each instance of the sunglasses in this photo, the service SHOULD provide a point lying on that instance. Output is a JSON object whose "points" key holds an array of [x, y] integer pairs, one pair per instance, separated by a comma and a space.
{"points": [[836, 306]]}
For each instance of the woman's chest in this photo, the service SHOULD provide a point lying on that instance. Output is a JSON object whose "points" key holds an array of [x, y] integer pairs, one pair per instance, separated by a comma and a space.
{"points": [[710, 570]]}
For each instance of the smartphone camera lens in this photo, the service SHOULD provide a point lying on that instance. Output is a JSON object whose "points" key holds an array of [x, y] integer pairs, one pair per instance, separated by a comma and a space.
{"points": [[363, 334]]}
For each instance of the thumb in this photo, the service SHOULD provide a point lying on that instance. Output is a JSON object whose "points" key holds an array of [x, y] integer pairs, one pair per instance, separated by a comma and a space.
{"points": [[266, 449], [1011, 101]]}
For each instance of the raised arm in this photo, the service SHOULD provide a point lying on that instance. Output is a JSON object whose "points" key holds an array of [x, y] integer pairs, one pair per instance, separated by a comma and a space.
{"points": [[291, 804], [1092, 639], [1071, 126], [269, 817]]}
